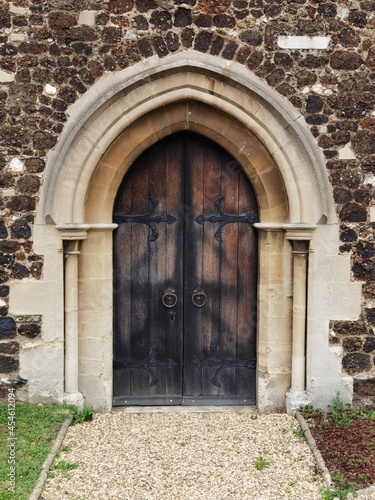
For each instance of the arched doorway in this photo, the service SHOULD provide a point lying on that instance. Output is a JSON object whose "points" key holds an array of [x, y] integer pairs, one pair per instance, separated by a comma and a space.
{"points": [[185, 277], [121, 116]]}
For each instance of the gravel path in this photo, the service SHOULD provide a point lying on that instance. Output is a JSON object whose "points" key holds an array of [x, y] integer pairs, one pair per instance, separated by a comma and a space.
{"points": [[181, 456]]}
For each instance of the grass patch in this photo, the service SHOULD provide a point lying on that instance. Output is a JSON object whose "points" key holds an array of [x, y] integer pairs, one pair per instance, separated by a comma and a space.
{"points": [[261, 462], [36, 428]]}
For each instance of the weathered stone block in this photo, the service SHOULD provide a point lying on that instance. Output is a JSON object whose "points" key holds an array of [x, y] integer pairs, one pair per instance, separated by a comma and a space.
{"points": [[161, 20], [145, 5], [60, 20], [20, 229], [364, 143], [9, 347], [230, 50], [19, 271], [314, 104], [7, 328], [172, 41], [5, 21], [358, 19], [364, 387], [85, 33], [217, 46], [369, 345], [346, 60], [43, 140], [21, 203], [120, 6], [370, 315], [252, 37], [187, 37], [182, 18], [203, 41], [203, 21], [8, 364], [145, 48], [3, 230], [140, 23], [356, 363], [353, 212], [349, 37], [33, 47], [327, 9], [224, 21], [29, 330], [34, 165], [213, 6], [111, 34], [160, 46], [354, 328], [351, 344], [28, 184]]}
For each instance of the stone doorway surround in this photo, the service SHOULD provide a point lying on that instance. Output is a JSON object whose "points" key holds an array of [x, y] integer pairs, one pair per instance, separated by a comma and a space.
{"points": [[118, 118]]}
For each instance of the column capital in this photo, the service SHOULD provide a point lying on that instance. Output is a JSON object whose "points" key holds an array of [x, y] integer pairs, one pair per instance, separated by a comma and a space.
{"points": [[72, 232], [296, 231], [299, 232]]}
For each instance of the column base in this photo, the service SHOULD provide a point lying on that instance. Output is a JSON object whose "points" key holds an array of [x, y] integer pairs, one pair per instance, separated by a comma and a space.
{"points": [[296, 400], [75, 399]]}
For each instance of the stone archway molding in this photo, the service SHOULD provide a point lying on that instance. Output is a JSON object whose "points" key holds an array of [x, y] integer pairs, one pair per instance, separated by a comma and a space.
{"points": [[107, 129], [120, 99]]}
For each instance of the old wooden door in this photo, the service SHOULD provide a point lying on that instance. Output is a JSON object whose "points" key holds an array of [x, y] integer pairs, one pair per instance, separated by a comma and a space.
{"points": [[185, 278]]}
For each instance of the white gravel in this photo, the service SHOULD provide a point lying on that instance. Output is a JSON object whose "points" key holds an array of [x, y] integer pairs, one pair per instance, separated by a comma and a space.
{"points": [[195, 456]]}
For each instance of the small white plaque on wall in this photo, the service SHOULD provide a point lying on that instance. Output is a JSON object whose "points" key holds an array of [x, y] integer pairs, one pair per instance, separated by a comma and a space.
{"points": [[303, 42]]}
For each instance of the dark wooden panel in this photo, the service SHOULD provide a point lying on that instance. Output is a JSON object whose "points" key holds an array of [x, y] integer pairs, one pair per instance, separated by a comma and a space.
{"points": [[185, 173], [193, 277], [146, 330], [211, 266]]}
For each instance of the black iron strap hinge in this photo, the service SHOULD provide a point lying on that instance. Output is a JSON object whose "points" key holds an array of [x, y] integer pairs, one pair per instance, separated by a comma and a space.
{"points": [[225, 218], [148, 218]]}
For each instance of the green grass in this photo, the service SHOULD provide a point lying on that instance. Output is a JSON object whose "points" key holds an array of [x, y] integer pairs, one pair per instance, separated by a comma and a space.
{"points": [[36, 428], [261, 462]]}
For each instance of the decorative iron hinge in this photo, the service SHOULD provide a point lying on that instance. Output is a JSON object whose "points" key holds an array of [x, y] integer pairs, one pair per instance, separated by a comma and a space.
{"points": [[146, 364], [148, 218], [223, 363], [224, 218]]}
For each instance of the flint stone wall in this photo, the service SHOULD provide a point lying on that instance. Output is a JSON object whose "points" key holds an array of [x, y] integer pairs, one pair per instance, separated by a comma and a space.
{"points": [[52, 52]]}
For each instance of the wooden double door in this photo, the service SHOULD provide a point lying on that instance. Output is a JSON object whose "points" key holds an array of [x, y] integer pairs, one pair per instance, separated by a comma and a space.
{"points": [[185, 269]]}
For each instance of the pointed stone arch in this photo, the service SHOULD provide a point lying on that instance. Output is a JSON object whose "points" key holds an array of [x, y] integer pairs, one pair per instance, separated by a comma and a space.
{"points": [[139, 95], [108, 128]]}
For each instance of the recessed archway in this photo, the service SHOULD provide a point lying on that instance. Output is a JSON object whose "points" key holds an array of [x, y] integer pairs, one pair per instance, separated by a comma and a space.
{"points": [[108, 128]]}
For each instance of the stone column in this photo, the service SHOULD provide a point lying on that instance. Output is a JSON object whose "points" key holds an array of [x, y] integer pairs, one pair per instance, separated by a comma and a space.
{"points": [[71, 235], [299, 236]]}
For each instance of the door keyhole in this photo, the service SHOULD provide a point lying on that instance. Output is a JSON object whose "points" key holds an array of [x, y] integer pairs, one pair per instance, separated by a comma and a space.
{"points": [[172, 317]]}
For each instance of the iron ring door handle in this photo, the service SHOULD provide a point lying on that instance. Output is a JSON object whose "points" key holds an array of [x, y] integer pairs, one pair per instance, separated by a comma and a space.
{"points": [[199, 298], [169, 298]]}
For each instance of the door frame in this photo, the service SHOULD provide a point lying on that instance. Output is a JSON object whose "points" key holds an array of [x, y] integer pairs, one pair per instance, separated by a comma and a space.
{"points": [[109, 126]]}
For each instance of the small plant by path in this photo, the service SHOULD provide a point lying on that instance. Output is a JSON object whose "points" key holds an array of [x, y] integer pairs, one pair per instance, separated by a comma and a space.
{"points": [[63, 467], [261, 462], [346, 440]]}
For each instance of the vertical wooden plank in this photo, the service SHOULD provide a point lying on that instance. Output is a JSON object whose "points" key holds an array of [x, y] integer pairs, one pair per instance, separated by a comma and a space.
{"points": [[122, 292], [174, 318], [228, 277], [211, 267], [194, 183], [247, 292], [139, 324], [157, 266]]}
